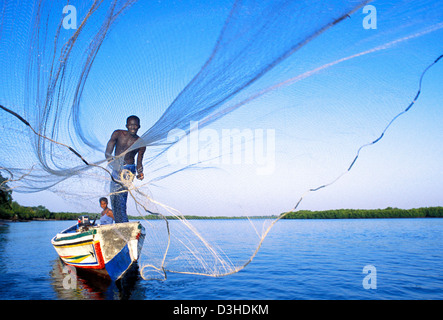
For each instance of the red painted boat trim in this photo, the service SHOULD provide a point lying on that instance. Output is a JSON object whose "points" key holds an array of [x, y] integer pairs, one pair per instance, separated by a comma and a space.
{"points": [[100, 260]]}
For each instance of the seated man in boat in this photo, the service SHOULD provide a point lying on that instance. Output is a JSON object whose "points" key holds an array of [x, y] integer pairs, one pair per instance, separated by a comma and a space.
{"points": [[123, 162], [107, 217]]}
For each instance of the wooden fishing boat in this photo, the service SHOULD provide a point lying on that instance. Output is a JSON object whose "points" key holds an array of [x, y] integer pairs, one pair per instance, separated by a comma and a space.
{"points": [[108, 250]]}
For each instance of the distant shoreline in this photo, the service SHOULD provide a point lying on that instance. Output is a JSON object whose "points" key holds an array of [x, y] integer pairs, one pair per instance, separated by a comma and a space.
{"points": [[425, 212], [40, 213]]}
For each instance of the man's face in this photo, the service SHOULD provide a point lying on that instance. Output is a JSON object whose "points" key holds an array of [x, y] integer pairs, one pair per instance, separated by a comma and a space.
{"points": [[133, 125]]}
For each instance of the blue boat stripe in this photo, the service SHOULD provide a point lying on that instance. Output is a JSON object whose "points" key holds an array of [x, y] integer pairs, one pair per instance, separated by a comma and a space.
{"points": [[119, 264]]}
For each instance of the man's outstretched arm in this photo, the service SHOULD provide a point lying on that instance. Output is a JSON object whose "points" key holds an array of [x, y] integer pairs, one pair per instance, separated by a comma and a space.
{"points": [[111, 145], [140, 154]]}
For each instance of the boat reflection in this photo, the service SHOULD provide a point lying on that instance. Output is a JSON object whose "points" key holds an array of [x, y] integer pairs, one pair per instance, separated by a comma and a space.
{"points": [[76, 284]]}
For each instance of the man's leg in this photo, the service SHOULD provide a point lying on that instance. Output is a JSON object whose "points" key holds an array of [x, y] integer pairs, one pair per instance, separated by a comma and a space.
{"points": [[119, 197], [124, 200]]}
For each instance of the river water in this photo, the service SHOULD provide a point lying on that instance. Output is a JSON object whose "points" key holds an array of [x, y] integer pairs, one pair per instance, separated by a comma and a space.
{"points": [[339, 259]]}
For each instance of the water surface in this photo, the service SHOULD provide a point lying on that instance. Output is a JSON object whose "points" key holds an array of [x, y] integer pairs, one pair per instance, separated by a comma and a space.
{"points": [[300, 259]]}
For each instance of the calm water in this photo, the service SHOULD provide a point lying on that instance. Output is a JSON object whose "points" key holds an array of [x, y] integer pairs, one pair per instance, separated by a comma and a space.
{"points": [[300, 259]]}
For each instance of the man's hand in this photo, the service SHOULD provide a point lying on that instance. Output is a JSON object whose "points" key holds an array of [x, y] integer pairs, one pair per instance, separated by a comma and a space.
{"points": [[140, 176]]}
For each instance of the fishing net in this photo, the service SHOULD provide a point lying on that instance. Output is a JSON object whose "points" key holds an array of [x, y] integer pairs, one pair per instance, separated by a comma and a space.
{"points": [[245, 107]]}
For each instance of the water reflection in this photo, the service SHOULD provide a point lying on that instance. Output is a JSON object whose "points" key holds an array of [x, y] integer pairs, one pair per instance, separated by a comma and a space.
{"points": [[89, 286], [4, 230]]}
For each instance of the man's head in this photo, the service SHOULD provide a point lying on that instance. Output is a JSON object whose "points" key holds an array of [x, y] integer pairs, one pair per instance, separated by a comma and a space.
{"points": [[133, 124]]}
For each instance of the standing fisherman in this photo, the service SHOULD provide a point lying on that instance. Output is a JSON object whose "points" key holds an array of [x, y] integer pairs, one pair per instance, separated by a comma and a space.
{"points": [[122, 140]]}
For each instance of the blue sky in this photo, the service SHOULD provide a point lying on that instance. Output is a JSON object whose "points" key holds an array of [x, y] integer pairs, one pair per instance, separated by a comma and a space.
{"points": [[319, 121]]}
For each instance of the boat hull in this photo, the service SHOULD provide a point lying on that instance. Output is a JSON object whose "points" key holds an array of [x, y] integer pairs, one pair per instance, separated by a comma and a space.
{"points": [[108, 250]]}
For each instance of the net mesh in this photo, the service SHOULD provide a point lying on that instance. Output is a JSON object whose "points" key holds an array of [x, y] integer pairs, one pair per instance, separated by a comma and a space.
{"points": [[245, 107]]}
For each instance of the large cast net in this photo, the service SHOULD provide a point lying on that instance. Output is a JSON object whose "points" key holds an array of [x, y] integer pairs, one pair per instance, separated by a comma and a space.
{"points": [[245, 107]]}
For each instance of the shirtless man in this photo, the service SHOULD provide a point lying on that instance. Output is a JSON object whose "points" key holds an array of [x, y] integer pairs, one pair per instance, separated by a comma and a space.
{"points": [[122, 140]]}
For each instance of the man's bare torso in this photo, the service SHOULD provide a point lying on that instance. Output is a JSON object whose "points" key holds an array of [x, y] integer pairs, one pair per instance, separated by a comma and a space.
{"points": [[124, 141]]}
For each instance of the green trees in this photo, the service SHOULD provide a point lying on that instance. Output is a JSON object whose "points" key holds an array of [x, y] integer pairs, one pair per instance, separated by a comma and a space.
{"points": [[5, 193], [5, 197], [431, 212]]}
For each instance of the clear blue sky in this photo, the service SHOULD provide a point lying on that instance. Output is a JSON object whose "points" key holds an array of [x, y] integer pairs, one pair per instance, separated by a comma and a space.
{"points": [[320, 121]]}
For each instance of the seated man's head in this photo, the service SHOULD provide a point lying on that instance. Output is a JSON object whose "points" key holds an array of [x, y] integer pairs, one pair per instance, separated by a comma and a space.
{"points": [[103, 202], [133, 124]]}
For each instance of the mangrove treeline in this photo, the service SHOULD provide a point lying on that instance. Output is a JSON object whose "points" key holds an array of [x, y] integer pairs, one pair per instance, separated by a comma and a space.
{"points": [[431, 212], [16, 212]]}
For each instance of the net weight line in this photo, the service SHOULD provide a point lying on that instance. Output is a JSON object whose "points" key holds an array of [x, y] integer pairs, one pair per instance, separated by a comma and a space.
{"points": [[344, 173], [376, 140]]}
